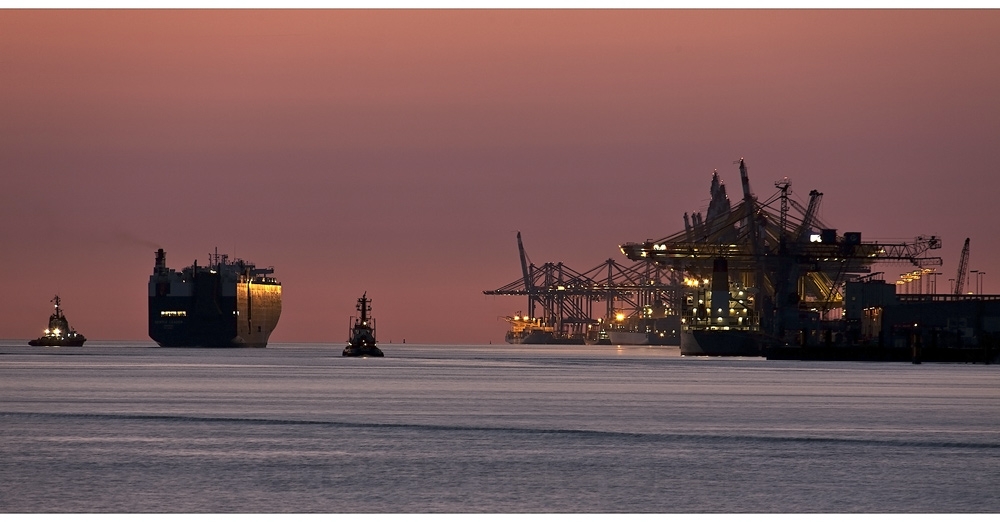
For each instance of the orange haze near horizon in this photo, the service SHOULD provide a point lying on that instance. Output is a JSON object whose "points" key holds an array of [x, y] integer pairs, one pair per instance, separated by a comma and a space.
{"points": [[398, 152]]}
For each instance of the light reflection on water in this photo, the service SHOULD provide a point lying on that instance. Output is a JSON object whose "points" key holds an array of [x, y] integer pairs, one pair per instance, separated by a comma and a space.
{"points": [[295, 427]]}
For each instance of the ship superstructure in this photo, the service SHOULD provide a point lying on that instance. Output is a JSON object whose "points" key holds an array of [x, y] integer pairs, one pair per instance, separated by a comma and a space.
{"points": [[224, 304], [525, 330], [361, 342]]}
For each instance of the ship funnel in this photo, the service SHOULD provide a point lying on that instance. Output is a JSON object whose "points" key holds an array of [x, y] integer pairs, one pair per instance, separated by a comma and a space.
{"points": [[720, 288], [161, 261]]}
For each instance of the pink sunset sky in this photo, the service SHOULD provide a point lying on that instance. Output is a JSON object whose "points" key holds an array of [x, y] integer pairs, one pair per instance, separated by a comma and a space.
{"points": [[399, 152]]}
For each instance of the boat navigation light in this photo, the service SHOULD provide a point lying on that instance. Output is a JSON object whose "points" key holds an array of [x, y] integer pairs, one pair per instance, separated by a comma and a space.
{"points": [[46, 331], [56, 331]]}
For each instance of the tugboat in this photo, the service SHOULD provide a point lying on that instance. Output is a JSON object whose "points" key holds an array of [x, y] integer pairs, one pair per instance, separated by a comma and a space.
{"points": [[59, 332], [362, 342]]}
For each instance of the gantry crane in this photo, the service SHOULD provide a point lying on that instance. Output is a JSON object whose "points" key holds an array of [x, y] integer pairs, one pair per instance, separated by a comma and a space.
{"points": [[562, 300], [790, 262], [963, 269]]}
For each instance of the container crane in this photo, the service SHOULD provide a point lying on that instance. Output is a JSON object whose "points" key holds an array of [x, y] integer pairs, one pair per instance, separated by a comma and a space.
{"points": [[526, 275], [963, 265]]}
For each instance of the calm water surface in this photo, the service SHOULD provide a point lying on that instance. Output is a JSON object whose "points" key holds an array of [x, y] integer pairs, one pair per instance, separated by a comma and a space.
{"points": [[126, 427]]}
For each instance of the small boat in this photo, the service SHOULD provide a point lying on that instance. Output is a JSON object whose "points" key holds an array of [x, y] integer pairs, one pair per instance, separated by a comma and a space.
{"points": [[59, 332], [362, 341]]}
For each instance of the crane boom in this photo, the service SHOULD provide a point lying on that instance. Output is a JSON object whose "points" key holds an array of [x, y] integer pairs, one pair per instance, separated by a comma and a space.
{"points": [[963, 265], [815, 197], [526, 274]]}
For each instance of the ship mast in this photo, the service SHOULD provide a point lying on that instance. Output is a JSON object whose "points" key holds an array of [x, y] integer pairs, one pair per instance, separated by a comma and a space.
{"points": [[57, 301], [364, 308]]}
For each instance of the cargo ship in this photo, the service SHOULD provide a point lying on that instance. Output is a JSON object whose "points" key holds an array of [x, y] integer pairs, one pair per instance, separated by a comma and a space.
{"points": [[225, 304], [720, 317], [664, 331], [768, 278], [527, 330], [59, 333], [655, 325]]}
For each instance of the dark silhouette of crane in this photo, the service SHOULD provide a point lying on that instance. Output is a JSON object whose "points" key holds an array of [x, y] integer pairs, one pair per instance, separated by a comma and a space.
{"points": [[963, 266]]}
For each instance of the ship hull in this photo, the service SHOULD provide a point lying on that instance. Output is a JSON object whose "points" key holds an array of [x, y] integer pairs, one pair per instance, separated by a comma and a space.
{"points": [[647, 331], [58, 342], [643, 338], [732, 343], [620, 337], [363, 351], [529, 337], [210, 318], [628, 338], [540, 337]]}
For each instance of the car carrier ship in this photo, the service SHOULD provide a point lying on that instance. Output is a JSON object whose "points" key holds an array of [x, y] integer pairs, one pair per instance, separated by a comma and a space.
{"points": [[225, 304]]}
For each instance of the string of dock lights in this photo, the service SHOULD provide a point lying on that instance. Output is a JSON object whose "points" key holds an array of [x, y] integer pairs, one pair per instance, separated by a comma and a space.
{"points": [[916, 276]]}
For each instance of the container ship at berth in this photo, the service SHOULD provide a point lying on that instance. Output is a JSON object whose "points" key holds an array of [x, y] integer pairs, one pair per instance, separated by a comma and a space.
{"points": [[225, 304], [766, 277]]}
